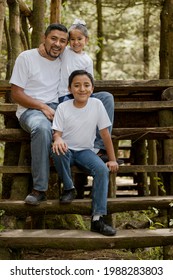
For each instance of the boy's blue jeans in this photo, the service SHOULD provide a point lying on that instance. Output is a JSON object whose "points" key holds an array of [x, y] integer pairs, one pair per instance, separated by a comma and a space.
{"points": [[96, 167], [35, 122]]}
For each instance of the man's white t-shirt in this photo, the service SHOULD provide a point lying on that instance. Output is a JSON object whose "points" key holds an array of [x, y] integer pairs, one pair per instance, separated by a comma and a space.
{"points": [[38, 76], [78, 125], [72, 61]]}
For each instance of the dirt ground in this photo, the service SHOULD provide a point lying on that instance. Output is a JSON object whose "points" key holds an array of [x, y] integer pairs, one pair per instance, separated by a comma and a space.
{"points": [[52, 254]]}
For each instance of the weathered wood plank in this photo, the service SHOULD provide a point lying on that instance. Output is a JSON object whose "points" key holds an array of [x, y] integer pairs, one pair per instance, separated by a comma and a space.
{"points": [[121, 87], [14, 135], [143, 105], [78, 239], [18, 134], [119, 106], [7, 108], [143, 133], [83, 206], [122, 169], [120, 83]]}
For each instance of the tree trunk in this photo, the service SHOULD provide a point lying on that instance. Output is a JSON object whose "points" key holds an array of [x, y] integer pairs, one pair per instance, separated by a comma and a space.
{"points": [[164, 55], [146, 38], [14, 28], [99, 38], [38, 22], [170, 38], [2, 16], [55, 11]]}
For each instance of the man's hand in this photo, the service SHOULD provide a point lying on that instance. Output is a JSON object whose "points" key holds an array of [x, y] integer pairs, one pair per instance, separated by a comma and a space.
{"points": [[48, 112]]}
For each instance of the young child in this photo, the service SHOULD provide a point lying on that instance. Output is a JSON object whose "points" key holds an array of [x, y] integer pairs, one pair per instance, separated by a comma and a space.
{"points": [[74, 126], [75, 58]]}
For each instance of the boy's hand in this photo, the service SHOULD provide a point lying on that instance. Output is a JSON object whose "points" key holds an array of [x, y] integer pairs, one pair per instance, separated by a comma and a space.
{"points": [[59, 146], [113, 166]]}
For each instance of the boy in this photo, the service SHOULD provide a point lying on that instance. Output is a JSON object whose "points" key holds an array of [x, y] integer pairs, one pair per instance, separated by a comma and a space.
{"points": [[75, 123]]}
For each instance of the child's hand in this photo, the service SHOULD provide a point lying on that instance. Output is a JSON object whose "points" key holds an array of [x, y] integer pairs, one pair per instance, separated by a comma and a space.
{"points": [[42, 50], [113, 166], [59, 146]]}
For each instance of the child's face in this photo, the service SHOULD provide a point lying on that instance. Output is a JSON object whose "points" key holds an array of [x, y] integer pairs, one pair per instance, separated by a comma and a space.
{"points": [[77, 40], [81, 88]]}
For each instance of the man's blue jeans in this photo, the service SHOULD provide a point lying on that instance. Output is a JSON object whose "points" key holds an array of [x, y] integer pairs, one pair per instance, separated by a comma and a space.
{"points": [[108, 102], [96, 167], [39, 127]]}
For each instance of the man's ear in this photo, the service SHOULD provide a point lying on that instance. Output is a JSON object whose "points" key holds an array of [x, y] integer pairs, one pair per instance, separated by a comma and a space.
{"points": [[69, 89]]}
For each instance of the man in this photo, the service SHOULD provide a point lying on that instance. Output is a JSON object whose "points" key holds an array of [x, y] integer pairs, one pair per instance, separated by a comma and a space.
{"points": [[35, 82]]}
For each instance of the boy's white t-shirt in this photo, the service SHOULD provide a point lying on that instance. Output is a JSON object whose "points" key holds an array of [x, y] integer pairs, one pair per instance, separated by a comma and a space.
{"points": [[72, 61], [78, 125], [38, 76]]}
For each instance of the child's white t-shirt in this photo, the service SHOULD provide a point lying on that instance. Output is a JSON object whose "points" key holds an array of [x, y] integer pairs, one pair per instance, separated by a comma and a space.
{"points": [[78, 125], [72, 61], [38, 76]]}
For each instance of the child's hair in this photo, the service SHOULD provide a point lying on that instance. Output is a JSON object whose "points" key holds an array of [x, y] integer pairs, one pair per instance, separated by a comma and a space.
{"points": [[80, 25], [79, 72]]}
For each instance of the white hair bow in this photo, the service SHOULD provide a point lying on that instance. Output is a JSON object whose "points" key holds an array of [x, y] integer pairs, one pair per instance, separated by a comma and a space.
{"points": [[79, 21]]}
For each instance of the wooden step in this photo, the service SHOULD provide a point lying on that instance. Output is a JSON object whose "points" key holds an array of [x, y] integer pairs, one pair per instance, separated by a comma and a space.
{"points": [[140, 133], [120, 87], [143, 106], [123, 169], [83, 206], [79, 239], [119, 106], [18, 135]]}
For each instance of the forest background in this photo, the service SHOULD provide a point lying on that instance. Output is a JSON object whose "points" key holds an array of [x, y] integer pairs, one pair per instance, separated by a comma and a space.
{"points": [[124, 35]]}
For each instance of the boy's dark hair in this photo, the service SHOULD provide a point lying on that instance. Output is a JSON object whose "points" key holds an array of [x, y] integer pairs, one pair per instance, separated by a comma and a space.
{"points": [[80, 72], [55, 26]]}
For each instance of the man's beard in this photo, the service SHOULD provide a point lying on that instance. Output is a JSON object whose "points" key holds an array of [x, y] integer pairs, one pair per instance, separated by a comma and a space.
{"points": [[52, 56]]}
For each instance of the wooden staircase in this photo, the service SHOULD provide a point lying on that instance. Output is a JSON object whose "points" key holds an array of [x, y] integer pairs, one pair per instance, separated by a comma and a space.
{"points": [[137, 108]]}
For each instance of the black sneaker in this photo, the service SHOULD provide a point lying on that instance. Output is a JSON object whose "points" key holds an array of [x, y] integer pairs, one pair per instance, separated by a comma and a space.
{"points": [[103, 155], [68, 196], [35, 197], [101, 227]]}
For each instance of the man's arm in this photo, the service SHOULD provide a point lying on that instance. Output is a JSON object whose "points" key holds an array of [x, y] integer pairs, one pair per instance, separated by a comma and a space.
{"points": [[18, 95]]}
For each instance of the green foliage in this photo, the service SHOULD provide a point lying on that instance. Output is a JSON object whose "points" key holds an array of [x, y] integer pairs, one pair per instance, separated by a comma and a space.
{"points": [[160, 184], [1, 214]]}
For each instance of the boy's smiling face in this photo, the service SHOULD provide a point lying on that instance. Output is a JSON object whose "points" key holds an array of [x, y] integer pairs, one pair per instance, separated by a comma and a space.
{"points": [[81, 88]]}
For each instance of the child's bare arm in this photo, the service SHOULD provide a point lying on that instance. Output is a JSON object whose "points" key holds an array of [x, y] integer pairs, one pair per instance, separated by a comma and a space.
{"points": [[42, 50]]}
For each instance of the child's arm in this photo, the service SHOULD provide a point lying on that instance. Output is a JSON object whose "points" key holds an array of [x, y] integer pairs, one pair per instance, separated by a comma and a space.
{"points": [[42, 50], [112, 163], [59, 146]]}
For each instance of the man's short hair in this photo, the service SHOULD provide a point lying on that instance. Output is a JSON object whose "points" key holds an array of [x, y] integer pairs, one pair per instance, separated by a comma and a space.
{"points": [[55, 26]]}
